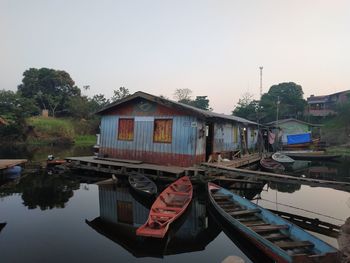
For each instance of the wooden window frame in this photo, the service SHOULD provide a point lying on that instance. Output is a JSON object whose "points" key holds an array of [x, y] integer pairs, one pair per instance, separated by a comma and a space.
{"points": [[154, 129], [133, 132]]}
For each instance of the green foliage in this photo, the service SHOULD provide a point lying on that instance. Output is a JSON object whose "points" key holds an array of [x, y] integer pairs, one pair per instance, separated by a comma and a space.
{"points": [[184, 96], [52, 127], [81, 140], [246, 107], [290, 98], [13, 110], [51, 89], [336, 130], [201, 102], [120, 93]]}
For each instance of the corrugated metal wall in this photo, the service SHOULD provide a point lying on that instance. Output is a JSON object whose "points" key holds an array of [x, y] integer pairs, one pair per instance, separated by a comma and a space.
{"points": [[224, 137], [142, 147]]}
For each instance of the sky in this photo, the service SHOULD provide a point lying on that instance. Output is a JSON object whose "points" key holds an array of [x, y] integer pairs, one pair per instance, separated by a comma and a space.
{"points": [[214, 48]]}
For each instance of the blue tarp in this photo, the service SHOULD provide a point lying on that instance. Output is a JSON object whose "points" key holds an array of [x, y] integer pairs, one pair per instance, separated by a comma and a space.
{"points": [[298, 138]]}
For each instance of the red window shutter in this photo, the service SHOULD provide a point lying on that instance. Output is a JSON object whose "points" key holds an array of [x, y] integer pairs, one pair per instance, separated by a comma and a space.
{"points": [[126, 129], [163, 129]]}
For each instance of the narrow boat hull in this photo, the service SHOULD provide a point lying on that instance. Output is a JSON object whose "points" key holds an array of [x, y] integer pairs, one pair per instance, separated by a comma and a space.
{"points": [[168, 207], [327, 254], [271, 166], [142, 185]]}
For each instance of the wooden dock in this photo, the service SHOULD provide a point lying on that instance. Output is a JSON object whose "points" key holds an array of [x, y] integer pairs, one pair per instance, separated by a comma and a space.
{"points": [[8, 163], [125, 167], [239, 162], [218, 168]]}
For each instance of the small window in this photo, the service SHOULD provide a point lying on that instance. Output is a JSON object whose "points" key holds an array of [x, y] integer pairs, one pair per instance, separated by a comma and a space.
{"points": [[126, 129], [163, 129]]}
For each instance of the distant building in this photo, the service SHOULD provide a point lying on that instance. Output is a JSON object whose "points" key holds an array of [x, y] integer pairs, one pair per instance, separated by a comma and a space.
{"points": [[160, 131], [325, 105], [293, 127]]}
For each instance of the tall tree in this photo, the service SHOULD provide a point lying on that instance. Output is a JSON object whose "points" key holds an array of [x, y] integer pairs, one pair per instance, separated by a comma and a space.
{"points": [[246, 107], [120, 93], [201, 102], [183, 95], [50, 88], [288, 96]]}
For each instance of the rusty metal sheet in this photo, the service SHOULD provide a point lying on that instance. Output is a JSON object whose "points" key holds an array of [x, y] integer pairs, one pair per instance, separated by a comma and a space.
{"points": [[163, 130], [126, 129]]}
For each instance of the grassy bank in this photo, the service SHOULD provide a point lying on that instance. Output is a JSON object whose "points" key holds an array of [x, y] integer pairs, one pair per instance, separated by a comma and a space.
{"points": [[44, 131]]}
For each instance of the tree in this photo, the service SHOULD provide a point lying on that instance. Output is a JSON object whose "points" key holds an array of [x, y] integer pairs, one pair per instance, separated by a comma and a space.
{"points": [[183, 95], [50, 88], [120, 93], [13, 110], [201, 102], [246, 107], [291, 102]]}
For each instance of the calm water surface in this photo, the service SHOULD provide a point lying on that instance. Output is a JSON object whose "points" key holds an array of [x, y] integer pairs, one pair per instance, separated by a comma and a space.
{"points": [[61, 218]]}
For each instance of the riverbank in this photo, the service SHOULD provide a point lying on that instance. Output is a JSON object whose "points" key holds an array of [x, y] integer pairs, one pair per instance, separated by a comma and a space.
{"points": [[60, 131]]}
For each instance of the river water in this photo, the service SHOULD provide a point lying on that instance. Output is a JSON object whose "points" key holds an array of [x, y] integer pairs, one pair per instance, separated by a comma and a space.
{"points": [[67, 218]]}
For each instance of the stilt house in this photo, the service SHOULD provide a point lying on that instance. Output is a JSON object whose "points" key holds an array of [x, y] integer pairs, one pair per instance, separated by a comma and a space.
{"points": [[160, 131]]}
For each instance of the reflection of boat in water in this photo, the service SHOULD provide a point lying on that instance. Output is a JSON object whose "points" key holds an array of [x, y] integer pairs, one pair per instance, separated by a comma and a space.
{"points": [[121, 214], [278, 238]]}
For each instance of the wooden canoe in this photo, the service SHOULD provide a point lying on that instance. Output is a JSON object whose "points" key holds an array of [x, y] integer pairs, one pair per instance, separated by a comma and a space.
{"points": [[271, 166], [55, 162], [169, 206], [282, 158], [278, 238], [143, 185], [311, 155]]}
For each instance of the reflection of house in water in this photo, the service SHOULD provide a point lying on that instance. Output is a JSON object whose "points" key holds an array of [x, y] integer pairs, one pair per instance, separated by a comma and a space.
{"points": [[121, 214]]}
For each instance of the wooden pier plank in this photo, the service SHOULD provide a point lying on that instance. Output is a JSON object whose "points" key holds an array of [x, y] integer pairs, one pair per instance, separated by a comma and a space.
{"points": [[273, 176], [7, 163]]}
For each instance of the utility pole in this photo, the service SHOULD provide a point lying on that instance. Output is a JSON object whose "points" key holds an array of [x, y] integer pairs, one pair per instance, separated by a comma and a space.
{"points": [[261, 69]]}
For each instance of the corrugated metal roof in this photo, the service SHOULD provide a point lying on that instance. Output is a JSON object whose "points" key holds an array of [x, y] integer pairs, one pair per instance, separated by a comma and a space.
{"points": [[203, 113], [273, 123]]}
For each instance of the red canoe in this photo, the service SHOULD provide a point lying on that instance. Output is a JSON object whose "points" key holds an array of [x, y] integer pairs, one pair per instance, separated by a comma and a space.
{"points": [[169, 206]]}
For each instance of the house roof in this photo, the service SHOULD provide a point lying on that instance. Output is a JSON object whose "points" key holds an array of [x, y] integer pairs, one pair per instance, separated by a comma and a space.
{"points": [[199, 112], [273, 123], [324, 98]]}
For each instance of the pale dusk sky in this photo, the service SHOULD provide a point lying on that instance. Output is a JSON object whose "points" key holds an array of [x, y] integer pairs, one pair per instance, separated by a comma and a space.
{"points": [[213, 47]]}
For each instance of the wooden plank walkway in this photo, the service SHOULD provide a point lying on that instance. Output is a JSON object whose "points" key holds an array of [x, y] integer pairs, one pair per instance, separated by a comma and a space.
{"points": [[239, 162], [125, 168], [7, 163], [273, 177]]}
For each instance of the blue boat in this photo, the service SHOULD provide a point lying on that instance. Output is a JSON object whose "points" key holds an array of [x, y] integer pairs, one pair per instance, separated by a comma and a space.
{"points": [[278, 238]]}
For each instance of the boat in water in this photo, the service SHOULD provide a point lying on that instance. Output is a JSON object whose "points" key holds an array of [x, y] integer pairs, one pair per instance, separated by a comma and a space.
{"points": [[279, 239], [282, 158], [143, 185], [270, 165], [310, 155], [168, 207]]}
